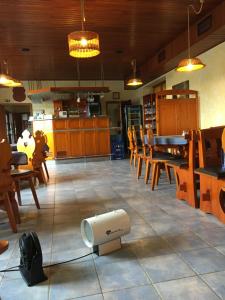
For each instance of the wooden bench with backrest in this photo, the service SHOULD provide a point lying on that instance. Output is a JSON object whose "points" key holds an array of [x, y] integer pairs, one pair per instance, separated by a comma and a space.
{"points": [[186, 179], [211, 171]]}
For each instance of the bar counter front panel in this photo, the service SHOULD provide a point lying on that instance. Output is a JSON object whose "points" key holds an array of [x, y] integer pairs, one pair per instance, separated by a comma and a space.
{"points": [[77, 137]]}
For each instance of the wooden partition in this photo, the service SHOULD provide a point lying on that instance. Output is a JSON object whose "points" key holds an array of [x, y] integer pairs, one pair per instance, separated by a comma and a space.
{"points": [[77, 137], [176, 111]]}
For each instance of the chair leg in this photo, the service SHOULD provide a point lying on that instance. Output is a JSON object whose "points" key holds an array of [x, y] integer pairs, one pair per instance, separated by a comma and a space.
{"points": [[41, 175], [135, 158], [10, 213], [139, 168], [131, 156], [167, 168], [14, 205], [46, 169], [147, 170], [154, 174], [158, 173], [34, 192], [17, 184]]}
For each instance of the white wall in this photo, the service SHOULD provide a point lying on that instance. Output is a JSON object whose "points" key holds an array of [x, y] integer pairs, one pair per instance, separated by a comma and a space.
{"points": [[209, 82], [114, 86]]}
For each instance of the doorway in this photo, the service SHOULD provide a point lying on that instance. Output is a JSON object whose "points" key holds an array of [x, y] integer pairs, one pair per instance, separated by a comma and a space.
{"points": [[17, 120]]}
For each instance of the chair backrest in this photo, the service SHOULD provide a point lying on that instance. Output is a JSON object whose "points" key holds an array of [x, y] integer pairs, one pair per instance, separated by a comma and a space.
{"points": [[192, 154], [38, 154], [134, 136], [130, 138], [210, 147], [26, 144], [5, 157], [223, 147]]}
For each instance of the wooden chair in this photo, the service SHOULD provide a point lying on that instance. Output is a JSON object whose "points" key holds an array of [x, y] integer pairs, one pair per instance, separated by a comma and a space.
{"points": [[131, 144], [7, 199], [211, 172], [145, 150], [33, 147], [39, 154], [186, 181], [29, 172], [158, 160], [3, 246], [137, 149]]}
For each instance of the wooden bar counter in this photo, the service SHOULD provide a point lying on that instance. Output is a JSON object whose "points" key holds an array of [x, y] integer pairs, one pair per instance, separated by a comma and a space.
{"points": [[76, 137]]}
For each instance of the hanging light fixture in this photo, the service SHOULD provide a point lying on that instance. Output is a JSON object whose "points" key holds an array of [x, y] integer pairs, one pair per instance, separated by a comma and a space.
{"points": [[7, 80], [134, 81], [83, 44], [191, 64]]}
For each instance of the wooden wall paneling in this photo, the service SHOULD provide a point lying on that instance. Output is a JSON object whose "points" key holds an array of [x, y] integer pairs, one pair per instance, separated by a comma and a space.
{"points": [[61, 144], [87, 123], [102, 140], [187, 115], [60, 124], [101, 122], [166, 118], [76, 143], [74, 123], [89, 140], [3, 133]]}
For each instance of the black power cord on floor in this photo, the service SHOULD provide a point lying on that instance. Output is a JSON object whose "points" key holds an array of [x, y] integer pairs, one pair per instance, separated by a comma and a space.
{"points": [[11, 269]]}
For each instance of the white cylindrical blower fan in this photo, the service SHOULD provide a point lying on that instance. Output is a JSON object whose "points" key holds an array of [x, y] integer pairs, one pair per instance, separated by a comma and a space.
{"points": [[103, 232]]}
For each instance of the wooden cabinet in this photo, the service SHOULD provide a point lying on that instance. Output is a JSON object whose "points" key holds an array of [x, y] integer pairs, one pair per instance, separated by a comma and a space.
{"points": [[176, 111]]}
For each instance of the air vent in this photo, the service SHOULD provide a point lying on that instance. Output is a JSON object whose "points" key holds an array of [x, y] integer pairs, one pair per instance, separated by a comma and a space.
{"points": [[204, 25], [161, 55]]}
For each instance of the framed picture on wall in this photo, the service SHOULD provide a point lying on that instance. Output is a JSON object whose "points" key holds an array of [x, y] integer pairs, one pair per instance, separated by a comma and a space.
{"points": [[116, 95]]}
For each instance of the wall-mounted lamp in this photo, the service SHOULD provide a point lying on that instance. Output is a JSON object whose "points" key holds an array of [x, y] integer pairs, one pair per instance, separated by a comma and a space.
{"points": [[191, 64]]}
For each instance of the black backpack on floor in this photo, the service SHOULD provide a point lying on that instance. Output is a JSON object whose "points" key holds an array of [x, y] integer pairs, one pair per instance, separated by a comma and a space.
{"points": [[31, 259]]}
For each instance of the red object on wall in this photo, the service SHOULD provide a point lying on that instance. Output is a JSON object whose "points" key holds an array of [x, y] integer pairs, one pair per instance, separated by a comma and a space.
{"points": [[19, 94]]}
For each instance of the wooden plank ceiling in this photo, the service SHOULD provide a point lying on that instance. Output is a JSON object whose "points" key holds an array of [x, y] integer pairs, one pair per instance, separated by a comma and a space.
{"points": [[33, 35]]}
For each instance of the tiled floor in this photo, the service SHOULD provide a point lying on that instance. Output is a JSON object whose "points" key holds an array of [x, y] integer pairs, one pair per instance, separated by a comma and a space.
{"points": [[173, 251]]}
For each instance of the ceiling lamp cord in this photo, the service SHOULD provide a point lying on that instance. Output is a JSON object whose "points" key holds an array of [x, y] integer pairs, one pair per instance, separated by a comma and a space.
{"points": [[78, 77], [134, 81], [191, 64], [83, 19]]}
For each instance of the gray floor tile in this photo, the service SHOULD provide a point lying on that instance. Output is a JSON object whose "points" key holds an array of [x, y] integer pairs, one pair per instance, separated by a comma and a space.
{"points": [[119, 275], [166, 267], [191, 288], [217, 282], [205, 260], [146, 292], [17, 289], [164, 233], [185, 241], [74, 280]]}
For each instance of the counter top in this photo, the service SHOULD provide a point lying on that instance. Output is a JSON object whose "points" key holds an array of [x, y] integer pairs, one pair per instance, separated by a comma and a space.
{"points": [[71, 118]]}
